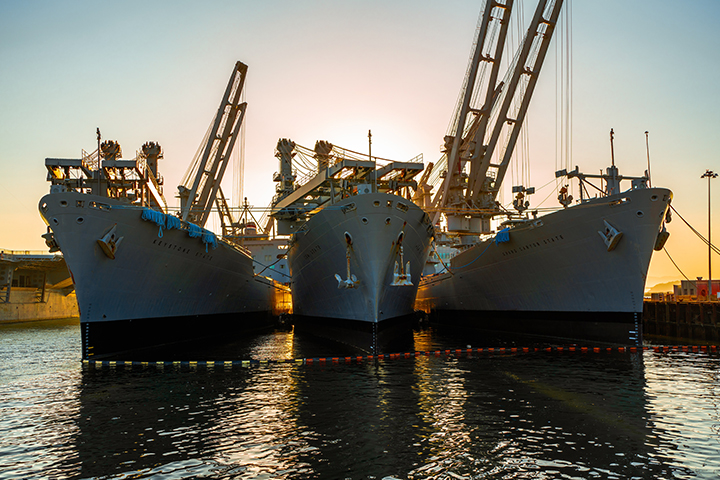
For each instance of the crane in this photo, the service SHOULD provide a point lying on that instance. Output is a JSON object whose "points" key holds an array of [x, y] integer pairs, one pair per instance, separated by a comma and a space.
{"points": [[468, 200], [201, 187]]}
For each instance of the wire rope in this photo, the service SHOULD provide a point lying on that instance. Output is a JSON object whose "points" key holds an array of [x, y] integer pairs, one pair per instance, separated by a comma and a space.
{"points": [[713, 247], [678, 268]]}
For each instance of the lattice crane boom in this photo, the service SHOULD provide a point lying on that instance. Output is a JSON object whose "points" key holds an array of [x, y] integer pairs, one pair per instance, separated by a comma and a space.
{"points": [[463, 196], [212, 160], [529, 64], [459, 142]]}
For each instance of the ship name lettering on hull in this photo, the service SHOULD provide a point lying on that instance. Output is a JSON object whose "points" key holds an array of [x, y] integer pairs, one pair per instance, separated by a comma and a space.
{"points": [[312, 252]]}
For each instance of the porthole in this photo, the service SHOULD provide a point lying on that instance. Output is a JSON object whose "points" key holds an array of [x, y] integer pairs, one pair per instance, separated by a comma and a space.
{"points": [[54, 221], [44, 207], [376, 203], [639, 213], [364, 220], [654, 198], [80, 220], [387, 221], [63, 203]]}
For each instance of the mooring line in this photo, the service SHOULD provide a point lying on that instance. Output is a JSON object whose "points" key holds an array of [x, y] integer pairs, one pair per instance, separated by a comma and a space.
{"points": [[453, 353]]}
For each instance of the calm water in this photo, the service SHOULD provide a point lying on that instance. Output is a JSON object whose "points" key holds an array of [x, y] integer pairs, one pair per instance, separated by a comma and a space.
{"points": [[536, 415]]}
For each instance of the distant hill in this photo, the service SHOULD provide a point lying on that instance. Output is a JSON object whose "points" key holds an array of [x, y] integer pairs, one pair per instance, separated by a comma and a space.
{"points": [[662, 287]]}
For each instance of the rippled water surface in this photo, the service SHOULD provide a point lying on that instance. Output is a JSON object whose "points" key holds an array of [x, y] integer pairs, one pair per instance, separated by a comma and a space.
{"points": [[528, 415]]}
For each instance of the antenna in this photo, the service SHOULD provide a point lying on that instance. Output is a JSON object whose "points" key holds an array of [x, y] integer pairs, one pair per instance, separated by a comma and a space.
{"points": [[612, 148], [99, 137], [371, 159], [370, 145], [647, 149]]}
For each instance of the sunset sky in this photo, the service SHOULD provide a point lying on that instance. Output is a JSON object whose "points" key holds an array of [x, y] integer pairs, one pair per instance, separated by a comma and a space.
{"points": [[333, 70]]}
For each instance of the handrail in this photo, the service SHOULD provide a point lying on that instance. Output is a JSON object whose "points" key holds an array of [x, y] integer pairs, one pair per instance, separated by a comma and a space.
{"points": [[7, 252]]}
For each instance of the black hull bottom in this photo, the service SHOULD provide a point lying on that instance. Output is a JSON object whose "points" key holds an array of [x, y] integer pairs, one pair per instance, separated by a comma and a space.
{"points": [[172, 338], [617, 328], [388, 336]]}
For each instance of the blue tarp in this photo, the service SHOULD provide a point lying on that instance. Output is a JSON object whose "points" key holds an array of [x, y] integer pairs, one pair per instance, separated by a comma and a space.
{"points": [[170, 221], [154, 216], [502, 236], [194, 231], [173, 222]]}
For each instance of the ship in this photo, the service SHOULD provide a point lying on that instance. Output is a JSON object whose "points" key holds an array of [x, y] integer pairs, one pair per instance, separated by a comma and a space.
{"points": [[147, 278], [574, 272], [357, 241], [268, 250]]}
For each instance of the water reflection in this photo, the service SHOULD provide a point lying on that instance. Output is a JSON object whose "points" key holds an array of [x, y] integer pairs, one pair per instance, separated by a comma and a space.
{"points": [[682, 392], [534, 415], [185, 422], [526, 415], [37, 427]]}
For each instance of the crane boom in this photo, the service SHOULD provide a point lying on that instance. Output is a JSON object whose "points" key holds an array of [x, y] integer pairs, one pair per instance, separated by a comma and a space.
{"points": [[452, 161], [469, 201], [529, 64], [459, 143], [212, 160]]}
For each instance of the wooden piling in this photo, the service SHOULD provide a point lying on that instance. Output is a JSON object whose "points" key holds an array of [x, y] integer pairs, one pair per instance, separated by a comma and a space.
{"points": [[696, 321]]}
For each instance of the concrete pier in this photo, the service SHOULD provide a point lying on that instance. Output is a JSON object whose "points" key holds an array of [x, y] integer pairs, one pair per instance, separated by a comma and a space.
{"points": [[696, 321], [35, 286]]}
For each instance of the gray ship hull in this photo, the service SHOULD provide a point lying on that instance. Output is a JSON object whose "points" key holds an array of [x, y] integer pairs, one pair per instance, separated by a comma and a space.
{"points": [[162, 286], [319, 253], [556, 275]]}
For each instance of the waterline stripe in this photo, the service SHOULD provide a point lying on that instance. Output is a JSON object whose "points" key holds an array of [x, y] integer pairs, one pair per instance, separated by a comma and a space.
{"points": [[451, 353]]}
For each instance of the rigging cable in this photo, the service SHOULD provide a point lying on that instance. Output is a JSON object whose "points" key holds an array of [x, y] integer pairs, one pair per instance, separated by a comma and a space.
{"points": [[551, 192], [563, 95], [270, 266], [238, 160], [447, 269], [713, 247], [489, 242], [678, 268]]}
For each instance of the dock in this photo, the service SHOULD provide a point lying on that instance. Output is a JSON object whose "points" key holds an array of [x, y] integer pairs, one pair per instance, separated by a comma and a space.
{"points": [[695, 321], [35, 285]]}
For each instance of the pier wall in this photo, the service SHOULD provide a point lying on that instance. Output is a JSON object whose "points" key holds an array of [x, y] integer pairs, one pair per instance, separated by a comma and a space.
{"points": [[23, 306], [697, 321]]}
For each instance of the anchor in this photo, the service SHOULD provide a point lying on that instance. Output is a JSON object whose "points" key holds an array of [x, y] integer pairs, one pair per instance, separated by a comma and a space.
{"points": [[611, 236], [401, 273], [50, 241], [109, 242], [351, 281]]}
